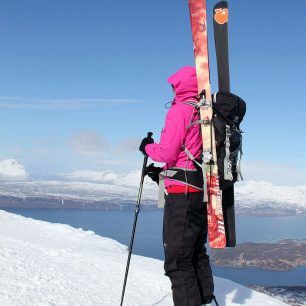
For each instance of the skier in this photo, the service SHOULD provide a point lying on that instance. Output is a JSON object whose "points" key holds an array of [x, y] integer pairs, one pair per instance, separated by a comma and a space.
{"points": [[185, 214]]}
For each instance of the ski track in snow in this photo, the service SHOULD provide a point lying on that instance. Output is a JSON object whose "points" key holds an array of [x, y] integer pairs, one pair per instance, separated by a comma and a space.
{"points": [[55, 264]]}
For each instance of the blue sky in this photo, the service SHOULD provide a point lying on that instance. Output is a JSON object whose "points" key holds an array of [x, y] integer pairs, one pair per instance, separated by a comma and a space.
{"points": [[82, 81]]}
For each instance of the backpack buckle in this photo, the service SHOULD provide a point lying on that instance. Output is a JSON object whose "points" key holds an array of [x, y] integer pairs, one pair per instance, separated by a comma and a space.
{"points": [[204, 103]]}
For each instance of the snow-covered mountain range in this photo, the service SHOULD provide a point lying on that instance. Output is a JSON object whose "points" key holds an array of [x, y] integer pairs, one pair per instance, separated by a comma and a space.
{"points": [[109, 188], [11, 169], [55, 264]]}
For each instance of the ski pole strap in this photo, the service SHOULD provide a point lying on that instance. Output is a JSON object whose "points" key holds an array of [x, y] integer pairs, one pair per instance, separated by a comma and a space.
{"points": [[227, 162], [203, 168]]}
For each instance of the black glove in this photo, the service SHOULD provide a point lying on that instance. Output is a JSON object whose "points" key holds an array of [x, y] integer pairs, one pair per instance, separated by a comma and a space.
{"points": [[153, 172], [145, 142]]}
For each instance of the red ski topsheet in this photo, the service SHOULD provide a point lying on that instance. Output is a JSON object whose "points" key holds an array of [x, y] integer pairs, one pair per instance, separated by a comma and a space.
{"points": [[216, 233]]}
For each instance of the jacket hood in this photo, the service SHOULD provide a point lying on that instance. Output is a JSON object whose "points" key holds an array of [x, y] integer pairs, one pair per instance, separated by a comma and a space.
{"points": [[185, 84]]}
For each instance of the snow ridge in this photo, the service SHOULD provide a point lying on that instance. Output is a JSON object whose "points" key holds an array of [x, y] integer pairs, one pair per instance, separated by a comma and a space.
{"points": [[54, 264]]}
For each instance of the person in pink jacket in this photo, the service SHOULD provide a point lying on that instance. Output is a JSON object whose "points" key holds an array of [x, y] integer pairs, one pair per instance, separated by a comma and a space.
{"points": [[185, 214]]}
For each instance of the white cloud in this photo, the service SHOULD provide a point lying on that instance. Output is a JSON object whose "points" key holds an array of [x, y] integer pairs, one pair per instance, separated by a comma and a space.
{"points": [[278, 174], [130, 179], [128, 145], [88, 143], [11, 169], [111, 162], [92, 176], [260, 171]]}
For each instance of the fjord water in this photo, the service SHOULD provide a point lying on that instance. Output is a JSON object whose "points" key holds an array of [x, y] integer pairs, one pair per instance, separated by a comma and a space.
{"points": [[148, 240]]}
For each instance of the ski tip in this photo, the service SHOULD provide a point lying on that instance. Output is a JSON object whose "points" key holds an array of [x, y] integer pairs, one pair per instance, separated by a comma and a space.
{"points": [[221, 15], [221, 4]]}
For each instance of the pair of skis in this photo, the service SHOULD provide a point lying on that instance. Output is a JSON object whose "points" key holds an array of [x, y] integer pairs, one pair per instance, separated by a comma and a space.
{"points": [[221, 215]]}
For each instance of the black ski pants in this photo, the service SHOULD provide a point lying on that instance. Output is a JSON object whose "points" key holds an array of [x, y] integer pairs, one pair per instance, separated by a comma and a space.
{"points": [[186, 262]]}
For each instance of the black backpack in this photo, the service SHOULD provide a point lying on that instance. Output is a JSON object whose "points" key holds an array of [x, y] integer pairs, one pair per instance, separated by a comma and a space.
{"points": [[228, 112]]}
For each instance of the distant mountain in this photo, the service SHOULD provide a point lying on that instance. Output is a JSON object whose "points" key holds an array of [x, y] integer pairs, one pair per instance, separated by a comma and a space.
{"points": [[108, 190], [11, 169], [263, 198]]}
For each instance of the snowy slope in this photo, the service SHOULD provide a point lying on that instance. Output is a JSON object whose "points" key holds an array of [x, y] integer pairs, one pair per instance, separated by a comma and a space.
{"points": [[54, 264]]}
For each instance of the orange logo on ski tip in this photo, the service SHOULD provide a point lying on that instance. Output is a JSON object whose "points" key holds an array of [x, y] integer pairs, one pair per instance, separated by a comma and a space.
{"points": [[221, 15]]}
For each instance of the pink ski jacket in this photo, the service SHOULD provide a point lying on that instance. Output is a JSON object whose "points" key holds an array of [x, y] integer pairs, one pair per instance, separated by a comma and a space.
{"points": [[175, 133]]}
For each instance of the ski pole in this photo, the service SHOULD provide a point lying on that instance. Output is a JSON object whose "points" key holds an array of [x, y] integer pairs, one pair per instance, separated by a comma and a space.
{"points": [[137, 208]]}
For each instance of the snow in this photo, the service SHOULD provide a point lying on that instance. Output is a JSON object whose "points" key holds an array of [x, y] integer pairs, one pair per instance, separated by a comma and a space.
{"points": [[75, 190], [247, 192], [267, 192], [252, 197], [260, 198], [94, 176], [11, 169], [55, 264], [130, 179]]}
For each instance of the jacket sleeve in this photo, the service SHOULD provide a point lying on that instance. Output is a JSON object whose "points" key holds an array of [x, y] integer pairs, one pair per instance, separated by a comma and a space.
{"points": [[171, 139]]}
